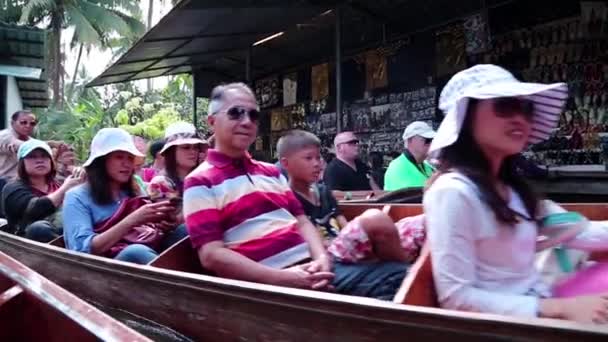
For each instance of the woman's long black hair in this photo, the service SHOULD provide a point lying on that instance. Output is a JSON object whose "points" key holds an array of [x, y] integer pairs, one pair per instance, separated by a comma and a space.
{"points": [[98, 179], [466, 156], [171, 168]]}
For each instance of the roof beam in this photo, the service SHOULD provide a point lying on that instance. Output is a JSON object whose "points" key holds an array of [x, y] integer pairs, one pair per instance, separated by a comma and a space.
{"points": [[211, 35]]}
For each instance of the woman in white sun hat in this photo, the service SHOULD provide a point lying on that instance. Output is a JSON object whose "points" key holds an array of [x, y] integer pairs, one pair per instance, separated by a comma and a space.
{"points": [[181, 152], [480, 214], [107, 216]]}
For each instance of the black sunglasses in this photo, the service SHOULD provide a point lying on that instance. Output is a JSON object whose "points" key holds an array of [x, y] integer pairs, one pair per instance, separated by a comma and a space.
{"points": [[507, 107], [352, 142], [238, 113], [25, 123]]}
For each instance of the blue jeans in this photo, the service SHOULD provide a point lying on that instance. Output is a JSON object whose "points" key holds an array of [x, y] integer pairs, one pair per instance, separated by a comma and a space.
{"points": [[41, 231], [379, 280], [142, 254]]}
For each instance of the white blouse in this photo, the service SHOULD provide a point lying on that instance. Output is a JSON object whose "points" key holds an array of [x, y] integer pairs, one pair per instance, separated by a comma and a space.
{"points": [[479, 263]]}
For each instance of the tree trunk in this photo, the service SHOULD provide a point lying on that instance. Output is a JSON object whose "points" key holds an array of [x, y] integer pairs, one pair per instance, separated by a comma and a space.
{"points": [[150, 12], [71, 91], [56, 26]]}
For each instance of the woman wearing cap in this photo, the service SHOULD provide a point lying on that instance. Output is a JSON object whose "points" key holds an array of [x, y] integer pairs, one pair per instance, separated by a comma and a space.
{"points": [[181, 153], [106, 216], [31, 201], [480, 214]]}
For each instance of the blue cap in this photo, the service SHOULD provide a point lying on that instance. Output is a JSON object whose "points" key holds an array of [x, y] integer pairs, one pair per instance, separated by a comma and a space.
{"points": [[31, 145]]}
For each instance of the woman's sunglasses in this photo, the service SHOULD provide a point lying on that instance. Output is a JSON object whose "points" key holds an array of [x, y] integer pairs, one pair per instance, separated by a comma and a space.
{"points": [[238, 114], [507, 107]]}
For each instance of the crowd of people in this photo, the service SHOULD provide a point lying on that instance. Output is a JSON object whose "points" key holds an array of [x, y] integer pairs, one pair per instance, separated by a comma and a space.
{"points": [[281, 224]]}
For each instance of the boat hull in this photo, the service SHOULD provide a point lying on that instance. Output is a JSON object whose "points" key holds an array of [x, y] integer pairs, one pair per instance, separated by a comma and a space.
{"points": [[213, 309]]}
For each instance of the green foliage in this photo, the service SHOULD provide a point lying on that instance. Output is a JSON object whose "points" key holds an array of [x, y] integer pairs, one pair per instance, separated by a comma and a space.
{"points": [[122, 105]]}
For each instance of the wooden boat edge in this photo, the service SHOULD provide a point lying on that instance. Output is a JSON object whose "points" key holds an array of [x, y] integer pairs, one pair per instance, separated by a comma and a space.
{"points": [[306, 300], [65, 303]]}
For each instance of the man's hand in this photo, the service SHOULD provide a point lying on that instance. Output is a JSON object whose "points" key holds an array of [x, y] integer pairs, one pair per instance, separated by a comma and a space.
{"points": [[299, 277]]}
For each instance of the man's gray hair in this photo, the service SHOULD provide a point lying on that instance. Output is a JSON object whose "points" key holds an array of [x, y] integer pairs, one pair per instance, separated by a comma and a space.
{"points": [[216, 100]]}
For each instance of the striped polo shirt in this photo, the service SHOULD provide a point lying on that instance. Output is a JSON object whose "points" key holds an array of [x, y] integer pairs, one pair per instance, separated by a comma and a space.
{"points": [[246, 204]]}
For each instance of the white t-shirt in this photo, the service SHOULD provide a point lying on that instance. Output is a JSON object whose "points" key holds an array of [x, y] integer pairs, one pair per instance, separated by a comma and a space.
{"points": [[481, 264]]}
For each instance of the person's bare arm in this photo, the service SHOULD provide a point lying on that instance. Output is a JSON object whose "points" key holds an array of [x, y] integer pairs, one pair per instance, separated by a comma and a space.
{"points": [[342, 221], [373, 185], [229, 264], [315, 242]]}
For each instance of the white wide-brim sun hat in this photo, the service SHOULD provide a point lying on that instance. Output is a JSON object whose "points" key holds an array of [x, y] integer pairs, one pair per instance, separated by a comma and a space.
{"points": [[109, 140], [487, 81], [181, 133]]}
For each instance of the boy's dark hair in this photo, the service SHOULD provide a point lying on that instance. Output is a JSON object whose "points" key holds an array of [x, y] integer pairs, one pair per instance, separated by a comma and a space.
{"points": [[466, 156], [98, 180], [155, 148], [295, 141]]}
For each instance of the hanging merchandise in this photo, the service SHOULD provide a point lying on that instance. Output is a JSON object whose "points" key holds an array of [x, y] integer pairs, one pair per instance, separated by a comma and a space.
{"points": [[476, 34], [320, 81], [279, 120], [375, 70], [594, 15], [267, 92], [450, 50], [290, 89]]}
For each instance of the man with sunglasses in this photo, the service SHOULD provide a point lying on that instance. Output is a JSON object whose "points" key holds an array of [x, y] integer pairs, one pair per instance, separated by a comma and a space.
{"points": [[246, 223], [410, 169], [22, 127], [346, 172]]}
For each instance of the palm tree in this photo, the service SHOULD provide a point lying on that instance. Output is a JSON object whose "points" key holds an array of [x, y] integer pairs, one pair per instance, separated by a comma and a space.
{"points": [[94, 22]]}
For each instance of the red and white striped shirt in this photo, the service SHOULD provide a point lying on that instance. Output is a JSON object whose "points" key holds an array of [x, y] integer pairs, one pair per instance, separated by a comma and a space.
{"points": [[248, 205]]}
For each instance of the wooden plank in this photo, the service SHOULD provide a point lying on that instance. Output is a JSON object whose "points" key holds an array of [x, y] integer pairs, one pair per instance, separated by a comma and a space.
{"points": [[214, 309], [418, 287], [58, 313]]}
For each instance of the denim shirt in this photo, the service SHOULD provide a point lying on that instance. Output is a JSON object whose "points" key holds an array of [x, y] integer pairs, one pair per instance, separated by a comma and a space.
{"points": [[81, 214]]}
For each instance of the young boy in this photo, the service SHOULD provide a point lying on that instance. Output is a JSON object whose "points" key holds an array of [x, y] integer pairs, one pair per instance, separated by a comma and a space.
{"points": [[370, 235]]}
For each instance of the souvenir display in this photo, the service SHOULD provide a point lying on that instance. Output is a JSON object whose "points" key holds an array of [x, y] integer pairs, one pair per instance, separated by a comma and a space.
{"points": [[290, 89], [476, 34], [320, 81], [450, 50], [375, 70], [267, 92]]}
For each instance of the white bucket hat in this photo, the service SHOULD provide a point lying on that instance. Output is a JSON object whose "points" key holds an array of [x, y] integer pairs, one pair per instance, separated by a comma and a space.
{"points": [[109, 140], [181, 133], [487, 81]]}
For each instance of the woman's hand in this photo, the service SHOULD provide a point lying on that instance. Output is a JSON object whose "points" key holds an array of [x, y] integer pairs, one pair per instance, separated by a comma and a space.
{"points": [[151, 213], [583, 309], [78, 177]]}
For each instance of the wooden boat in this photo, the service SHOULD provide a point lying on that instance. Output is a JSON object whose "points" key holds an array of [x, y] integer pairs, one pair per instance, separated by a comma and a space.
{"points": [[173, 291], [34, 309]]}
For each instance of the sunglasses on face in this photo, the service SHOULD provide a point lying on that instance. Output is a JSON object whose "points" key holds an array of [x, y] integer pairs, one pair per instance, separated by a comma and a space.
{"points": [[238, 114], [353, 142], [30, 123], [427, 141], [507, 107]]}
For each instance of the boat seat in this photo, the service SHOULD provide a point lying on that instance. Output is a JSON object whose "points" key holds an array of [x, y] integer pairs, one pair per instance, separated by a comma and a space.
{"points": [[180, 257], [418, 287], [58, 242]]}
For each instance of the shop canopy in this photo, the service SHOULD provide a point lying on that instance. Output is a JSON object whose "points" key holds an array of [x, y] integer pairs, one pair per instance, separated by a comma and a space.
{"points": [[23, 55], [248, 39]]}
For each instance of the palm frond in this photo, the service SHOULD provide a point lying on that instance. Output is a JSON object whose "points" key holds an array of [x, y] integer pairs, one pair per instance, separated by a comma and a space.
{"points": [[85, 30], [27, 12]]}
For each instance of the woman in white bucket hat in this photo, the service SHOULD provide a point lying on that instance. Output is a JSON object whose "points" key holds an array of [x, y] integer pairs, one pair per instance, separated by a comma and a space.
{"points": [[480, 214], [181, 152], [107, 216]]}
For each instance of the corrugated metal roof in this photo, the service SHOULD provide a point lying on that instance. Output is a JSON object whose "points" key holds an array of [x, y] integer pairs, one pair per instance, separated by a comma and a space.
{"points": [[26, 46], [214, 37]]}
